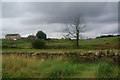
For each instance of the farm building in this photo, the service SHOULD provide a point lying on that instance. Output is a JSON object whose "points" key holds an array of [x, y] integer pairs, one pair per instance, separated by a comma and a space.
{"points": [[31, 37], [13, 36]]}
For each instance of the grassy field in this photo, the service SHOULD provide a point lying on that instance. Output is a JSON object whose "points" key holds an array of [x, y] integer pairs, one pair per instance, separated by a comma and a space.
{"points": [[95, 44], [21, 67], [15, 66]]}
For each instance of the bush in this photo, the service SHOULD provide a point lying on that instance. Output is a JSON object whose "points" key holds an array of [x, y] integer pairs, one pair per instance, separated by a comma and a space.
{"points": [[38, 44]]}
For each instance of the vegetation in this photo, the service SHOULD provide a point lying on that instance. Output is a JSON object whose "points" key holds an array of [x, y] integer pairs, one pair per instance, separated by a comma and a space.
{"points": [[16, 44], [38, 44], [105, 36], [75, 29], [94, 44], [22, 67], [41, 35]]}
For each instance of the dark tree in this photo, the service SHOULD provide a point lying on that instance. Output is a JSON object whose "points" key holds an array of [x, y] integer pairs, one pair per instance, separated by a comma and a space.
{"points": [[41, 35], [75, 29]]}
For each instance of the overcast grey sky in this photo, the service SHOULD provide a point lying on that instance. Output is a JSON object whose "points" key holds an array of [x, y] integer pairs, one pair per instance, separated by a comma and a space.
{"points": [[27, 18]]}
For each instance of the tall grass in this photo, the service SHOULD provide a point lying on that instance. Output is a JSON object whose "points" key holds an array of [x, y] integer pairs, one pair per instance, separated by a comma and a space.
{"points": [[106, 70], [22, 67]]}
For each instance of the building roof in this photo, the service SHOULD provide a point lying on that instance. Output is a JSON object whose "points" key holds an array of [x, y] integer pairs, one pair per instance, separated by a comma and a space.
{"points": [[12, 34]]}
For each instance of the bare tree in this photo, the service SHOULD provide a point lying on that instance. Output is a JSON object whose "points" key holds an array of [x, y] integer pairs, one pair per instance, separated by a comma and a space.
{"points": [[74, 29]]}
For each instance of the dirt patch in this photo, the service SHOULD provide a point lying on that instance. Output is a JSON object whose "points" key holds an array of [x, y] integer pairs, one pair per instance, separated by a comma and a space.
{"points": [[108, 46]]}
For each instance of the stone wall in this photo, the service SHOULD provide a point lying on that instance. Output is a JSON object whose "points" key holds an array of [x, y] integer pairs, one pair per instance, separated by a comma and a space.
{"points": [[108, 55]]}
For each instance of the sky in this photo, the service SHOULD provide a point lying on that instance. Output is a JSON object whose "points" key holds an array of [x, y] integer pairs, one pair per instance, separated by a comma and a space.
{"points": [[27, 18]]}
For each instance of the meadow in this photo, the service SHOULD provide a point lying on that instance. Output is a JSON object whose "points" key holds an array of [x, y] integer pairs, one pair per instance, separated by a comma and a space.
{"points": [[94, 44], [20, 66]]}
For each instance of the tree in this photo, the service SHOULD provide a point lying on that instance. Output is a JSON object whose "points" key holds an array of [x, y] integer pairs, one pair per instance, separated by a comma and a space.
{"points": [[74, 29], [41, 35]]}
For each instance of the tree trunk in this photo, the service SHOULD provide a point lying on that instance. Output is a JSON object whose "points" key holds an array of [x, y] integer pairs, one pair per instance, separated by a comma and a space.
{"points": [[77, 39]]}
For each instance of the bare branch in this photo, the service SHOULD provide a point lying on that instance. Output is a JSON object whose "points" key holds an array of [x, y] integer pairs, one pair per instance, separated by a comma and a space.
{"points": [[75, 29], [68, 30], [72, 26]]}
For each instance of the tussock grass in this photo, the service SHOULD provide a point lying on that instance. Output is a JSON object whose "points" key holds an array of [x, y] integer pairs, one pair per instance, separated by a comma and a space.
{"points": [[22, 67]]}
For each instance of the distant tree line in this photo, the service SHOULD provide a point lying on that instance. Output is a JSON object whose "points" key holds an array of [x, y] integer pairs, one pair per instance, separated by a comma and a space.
{"points": [[104, 36]]}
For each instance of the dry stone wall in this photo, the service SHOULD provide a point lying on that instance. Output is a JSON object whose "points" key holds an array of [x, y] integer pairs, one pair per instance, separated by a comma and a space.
{"points": [[109, 55]]}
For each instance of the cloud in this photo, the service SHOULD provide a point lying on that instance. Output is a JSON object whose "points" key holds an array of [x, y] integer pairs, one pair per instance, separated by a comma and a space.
{"points": [[29, 17]]}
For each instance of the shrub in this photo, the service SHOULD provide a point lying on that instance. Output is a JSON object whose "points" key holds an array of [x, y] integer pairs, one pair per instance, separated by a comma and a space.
{"points": [[38, 44]]}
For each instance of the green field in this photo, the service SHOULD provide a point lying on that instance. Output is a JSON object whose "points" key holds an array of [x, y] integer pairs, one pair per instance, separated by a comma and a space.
{"points": [[20, 66], [94, 44]]}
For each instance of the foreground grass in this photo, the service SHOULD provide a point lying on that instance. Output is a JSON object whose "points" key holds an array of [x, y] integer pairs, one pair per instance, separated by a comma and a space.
{"points": [[21, 67]]}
